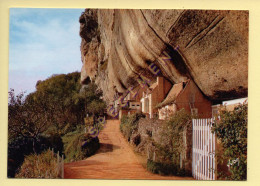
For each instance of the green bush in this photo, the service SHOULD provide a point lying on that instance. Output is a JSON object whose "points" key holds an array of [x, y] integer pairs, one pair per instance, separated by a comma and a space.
{"points": [[171, 144], [231, 129], [79, 146], [129, 124], [20, 147], [43, 165], [165, 168], [52, 141]]}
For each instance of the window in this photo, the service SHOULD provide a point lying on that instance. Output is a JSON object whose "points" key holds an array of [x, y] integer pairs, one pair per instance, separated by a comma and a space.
{"points": [[194, 111], [215, 110]]}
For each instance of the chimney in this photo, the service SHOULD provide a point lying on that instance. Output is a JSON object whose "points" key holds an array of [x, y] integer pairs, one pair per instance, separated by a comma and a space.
{"points": [[160, 84]]}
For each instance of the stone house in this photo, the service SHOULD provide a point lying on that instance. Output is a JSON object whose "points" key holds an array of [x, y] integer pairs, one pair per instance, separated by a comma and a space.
{"points": [[228, 105], [145, 99], [153, 95], [130, 103], [185, 95]]}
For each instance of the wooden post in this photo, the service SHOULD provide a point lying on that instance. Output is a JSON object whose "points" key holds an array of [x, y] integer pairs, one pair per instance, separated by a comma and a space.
{"points": [[62, 167], [58, 162], [215, 158], [148, 153], [58, 156], [192, 148], [180, 160], [208, 149], [203, 149]]}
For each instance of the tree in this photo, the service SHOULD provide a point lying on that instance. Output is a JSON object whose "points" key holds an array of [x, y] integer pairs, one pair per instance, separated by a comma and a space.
{"points": [[57, 103], [63, 102], [26, 117], [94, 105], [231, 129], [38, 121]]}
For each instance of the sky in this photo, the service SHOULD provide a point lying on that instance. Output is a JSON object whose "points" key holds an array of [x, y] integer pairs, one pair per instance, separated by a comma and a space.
{"points": [[42, 42]]}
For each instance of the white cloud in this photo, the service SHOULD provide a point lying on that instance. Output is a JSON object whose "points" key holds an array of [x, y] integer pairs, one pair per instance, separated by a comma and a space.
{"points": [[40, 48]]}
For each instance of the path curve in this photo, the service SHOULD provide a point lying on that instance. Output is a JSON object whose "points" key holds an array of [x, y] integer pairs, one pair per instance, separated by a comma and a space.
{"points": [[114, 160]]}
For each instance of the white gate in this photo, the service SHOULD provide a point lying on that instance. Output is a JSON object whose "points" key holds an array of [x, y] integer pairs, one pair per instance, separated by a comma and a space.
{"points": [[203, 150]]}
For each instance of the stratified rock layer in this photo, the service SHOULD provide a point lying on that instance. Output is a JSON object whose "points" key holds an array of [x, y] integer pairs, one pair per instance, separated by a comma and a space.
{"points": [[210, 47]]}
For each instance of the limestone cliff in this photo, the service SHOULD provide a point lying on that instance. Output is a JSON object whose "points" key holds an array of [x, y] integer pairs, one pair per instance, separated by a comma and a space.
{"points": [[210, 47]]}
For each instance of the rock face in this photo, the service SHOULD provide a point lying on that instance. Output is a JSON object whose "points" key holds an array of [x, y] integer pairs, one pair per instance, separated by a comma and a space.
{"points": [[210, 47]]}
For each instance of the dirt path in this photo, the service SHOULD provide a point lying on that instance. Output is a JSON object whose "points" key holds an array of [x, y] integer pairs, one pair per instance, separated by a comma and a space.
{"points": [[115, 160]]}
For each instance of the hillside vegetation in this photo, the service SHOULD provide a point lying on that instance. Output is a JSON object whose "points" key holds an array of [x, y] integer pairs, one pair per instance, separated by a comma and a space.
{"points": [[41, 119]]}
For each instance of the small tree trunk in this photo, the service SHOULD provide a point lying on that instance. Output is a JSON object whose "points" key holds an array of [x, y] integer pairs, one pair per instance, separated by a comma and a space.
{"points": [[34, 149], [94, 119]]}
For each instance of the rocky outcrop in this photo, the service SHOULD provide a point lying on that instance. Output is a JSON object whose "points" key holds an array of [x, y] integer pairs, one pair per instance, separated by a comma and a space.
{"points": [[210, 47]]}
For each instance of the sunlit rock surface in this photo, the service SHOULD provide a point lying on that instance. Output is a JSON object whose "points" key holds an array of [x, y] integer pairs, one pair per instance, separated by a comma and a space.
{"points": [[210, 47]]}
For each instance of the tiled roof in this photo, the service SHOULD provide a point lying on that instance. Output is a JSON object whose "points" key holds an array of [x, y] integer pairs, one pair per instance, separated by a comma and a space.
{"points": [[153, 85], [172, 95]]}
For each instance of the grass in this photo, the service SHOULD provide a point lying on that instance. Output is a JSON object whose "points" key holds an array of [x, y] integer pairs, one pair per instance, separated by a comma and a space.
{"points": [[44, 165], [165, 168], [79, 145]]}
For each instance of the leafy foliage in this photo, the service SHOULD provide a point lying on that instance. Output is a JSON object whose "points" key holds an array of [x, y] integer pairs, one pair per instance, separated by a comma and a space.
{"points": [[231, 129], [165, 168], [56, 108], [171, 145], [94, 105], [79, 146], [172, 137], [130, 123], [26, 118], [62, 100], [19, 147]]}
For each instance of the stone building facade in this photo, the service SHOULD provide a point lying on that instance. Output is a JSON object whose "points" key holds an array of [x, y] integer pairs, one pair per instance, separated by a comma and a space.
{"points": [[185, 95]]}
